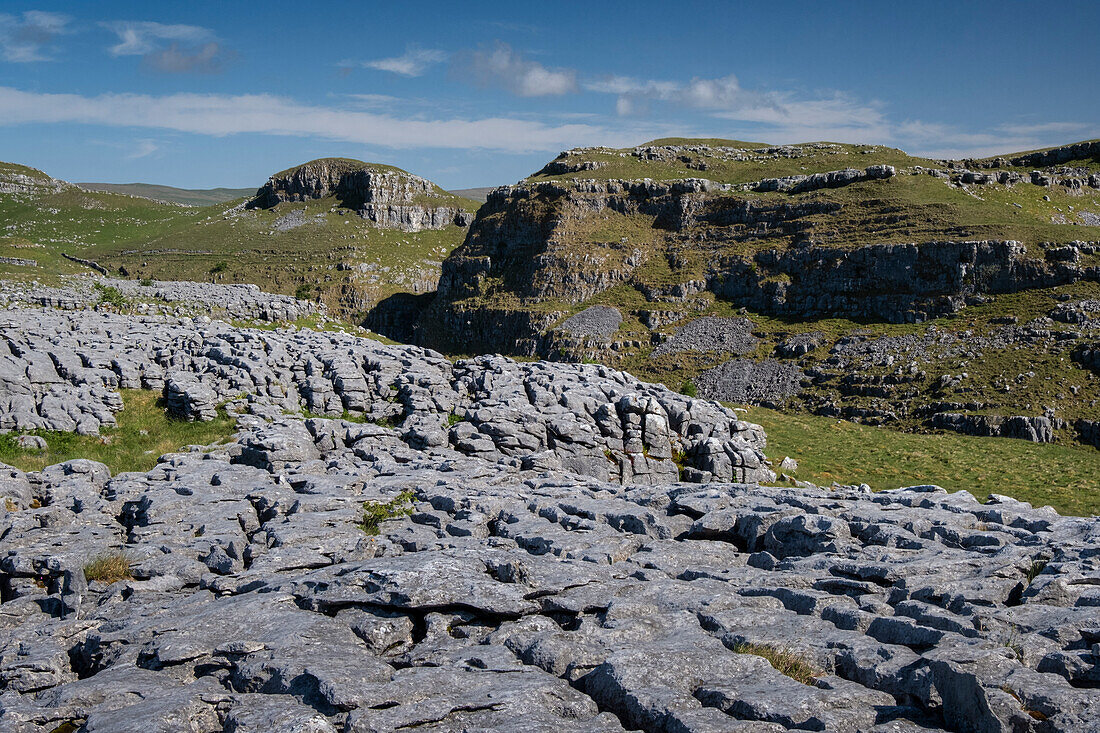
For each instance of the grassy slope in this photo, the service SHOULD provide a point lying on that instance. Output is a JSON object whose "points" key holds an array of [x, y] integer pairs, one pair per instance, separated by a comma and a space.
{"points": [[753, 166], [123, 448], [186, 196], [829, 450], [167, 242]]}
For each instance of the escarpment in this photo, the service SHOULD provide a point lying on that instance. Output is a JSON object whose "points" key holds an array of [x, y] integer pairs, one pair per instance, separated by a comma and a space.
{"points": [[984, 265], [537, 250], [388, 197]]}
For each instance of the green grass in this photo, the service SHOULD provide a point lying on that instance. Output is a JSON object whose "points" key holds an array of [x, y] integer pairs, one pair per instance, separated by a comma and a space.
{"points": [[346, 261], [376, 512], [784, 661], [755, 166], [829, 450], [109, 568], [123, 448]]}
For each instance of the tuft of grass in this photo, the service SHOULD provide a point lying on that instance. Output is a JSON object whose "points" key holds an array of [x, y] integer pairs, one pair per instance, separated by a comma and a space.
{"points": [[784, 661], [376, 512], [689, 389], [144, 433], [219, 267], [110, 567], [829, 450], [454, 419], [146, 282], [111, 295]]}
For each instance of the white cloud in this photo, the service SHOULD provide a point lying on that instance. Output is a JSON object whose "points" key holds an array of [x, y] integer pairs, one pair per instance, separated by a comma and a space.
{"points": [[219, 114], [414, 62], [500, 66], [142, 149], [27, 39], [172, 49], [139, 37]]}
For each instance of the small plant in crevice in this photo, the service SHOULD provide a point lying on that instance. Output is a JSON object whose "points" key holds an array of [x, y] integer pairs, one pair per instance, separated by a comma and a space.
{"points": [[1033, 713], [454, 419], [785, 661], [679, 457], [1014, 643], [108, 567], [376, 512], [689, 389], [1037, 567]]}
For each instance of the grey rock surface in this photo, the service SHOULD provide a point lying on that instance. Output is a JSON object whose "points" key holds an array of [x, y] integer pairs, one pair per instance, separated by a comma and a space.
{"points": [[528, 599], [557, 569], [165, 297], [729, 335], [62, 370], [766, 382], [599, 321]]}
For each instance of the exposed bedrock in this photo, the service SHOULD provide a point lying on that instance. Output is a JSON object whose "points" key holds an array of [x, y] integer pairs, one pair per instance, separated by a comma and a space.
{"points": [[520, 599], [61, 371], [389, 198]]}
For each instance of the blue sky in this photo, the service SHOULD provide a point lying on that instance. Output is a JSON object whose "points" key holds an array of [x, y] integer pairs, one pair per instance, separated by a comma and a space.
{"points": [[205, 94]]}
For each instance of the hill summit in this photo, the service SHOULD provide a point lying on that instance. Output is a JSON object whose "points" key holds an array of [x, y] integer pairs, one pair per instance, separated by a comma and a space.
{"points": [[387, 196]]}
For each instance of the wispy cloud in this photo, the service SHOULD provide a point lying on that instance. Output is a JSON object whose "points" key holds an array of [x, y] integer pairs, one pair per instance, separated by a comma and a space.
{"points": [[142, 149], [28, 38], [139, 37], [500, 66], [168, 48], [414, 62], [219, 114]]}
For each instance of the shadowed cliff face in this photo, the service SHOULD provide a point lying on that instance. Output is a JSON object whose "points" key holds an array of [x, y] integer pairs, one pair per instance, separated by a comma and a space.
{"points": [[536, 251], [388, 197]]}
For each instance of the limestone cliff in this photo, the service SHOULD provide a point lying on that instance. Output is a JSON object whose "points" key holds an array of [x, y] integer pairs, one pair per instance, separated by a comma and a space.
{"points": [[388, 197], [832, 254]]}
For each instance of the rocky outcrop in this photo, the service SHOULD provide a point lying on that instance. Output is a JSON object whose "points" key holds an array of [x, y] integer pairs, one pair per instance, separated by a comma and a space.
{"points": [[20, 180], [237, 301], [1049, 157], [522, 249], [1033, 429], [62, 371], [830, 179], [725, 335], [388, 197], [892, 282]]}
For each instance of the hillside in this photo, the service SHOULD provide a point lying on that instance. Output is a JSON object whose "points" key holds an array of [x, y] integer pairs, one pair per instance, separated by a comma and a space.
{"points": [[350, 254], [172, 195], [844, 280]]}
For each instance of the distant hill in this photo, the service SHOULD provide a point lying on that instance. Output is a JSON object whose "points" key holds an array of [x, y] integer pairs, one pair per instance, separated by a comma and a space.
{"points": [[477, 194], [347, 232], [187, 196]]}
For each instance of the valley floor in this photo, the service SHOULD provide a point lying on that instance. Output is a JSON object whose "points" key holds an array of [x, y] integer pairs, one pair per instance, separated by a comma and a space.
{"points": [[830, 450]]}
